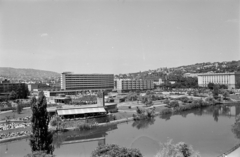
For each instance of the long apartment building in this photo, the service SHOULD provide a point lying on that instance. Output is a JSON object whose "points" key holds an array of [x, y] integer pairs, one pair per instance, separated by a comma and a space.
{"points": [[75, 82], [232, 80], [132, 84], [6, 86]]}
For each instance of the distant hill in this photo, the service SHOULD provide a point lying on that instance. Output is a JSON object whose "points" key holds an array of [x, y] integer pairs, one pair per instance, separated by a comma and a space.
{"points": [[26, 73], [214, 67]]}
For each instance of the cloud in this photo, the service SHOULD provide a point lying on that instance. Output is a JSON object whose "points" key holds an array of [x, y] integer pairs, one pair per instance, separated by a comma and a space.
{"points": [[232, 20], [44, 35]]}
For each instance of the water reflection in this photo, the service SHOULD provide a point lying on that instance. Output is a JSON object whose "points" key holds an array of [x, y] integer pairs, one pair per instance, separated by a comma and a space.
{"points": [[216, 111], [76, 136], [166, 116], [236, 127]]}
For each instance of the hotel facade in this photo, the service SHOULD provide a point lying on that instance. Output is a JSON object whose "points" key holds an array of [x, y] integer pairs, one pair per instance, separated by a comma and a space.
{"points": [[231, 80], [75, 82], [132, 84]]}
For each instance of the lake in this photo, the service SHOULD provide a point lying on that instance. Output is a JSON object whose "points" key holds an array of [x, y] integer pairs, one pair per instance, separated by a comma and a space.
{"points": [[208, 130]]}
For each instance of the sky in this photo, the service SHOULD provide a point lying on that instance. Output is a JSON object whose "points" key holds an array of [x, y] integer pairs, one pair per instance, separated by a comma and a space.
{"points": [[117, 36]]}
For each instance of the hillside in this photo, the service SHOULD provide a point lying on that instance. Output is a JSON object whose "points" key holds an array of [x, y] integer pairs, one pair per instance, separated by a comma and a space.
{"points": [[25, 74], [214, 67]]}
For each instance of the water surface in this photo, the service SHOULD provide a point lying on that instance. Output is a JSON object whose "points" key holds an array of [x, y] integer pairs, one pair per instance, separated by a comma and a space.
{"points": [[208, 130]]}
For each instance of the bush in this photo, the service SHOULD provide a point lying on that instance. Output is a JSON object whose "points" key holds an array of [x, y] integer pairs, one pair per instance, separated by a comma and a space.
{"points": [[112, 150], [180, 149], [184, 99], [166, 111], [39, 154], [174, 104], [166, 101], [86, 126], [19, 108], [56, 120], [144, 114], [139, 111]]}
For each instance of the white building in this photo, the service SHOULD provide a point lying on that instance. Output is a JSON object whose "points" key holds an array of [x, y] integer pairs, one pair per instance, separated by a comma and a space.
{"points": [[132, 84], [232, 80], [70, 81]]}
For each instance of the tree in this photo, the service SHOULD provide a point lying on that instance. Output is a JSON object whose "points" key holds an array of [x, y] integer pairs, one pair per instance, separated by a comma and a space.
{"points": [[225, 94], [180, 149], [13, 95], [215, 91], [211, 85], [41, 138], [19, 108]]}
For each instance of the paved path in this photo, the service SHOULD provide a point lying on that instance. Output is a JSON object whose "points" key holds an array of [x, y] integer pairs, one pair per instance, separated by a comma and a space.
{"points": [[2, 112]]}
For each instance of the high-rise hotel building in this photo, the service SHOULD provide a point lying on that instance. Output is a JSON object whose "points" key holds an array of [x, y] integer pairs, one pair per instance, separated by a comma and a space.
{"points": [[232, 80], [71, 81]]}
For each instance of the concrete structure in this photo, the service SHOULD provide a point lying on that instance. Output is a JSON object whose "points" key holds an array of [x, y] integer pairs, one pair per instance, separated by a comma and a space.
{"points": [[32, 87], [191, 74], [158, 82], [7, 87], [70, 81], [232, 80], [132, 84]]}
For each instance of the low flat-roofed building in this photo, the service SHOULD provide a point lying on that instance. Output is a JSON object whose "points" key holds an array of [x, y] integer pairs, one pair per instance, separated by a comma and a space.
{"points": [[6, 86], [231, 80]]}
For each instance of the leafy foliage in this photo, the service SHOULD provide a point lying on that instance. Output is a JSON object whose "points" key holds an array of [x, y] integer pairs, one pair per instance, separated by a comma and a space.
{"points": [[113, 150], [55, 121], [13, 95], [39, 154], [166, 111], [19, 108], [86, 126], [236, 127], [180, 149], [41, 138], [174, 104], [210, 85], [144, 114]]}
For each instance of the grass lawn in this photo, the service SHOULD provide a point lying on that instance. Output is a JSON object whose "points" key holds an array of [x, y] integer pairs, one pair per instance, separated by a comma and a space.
{"points": [[24, 113], [159, 108], [121, 115], [235, 97]]}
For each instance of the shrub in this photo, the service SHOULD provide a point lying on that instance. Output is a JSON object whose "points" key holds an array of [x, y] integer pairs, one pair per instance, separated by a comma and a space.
{"points": [[39, 154], [139, 111], [166, 111], [56, 120], [210, 100], [177, 150], [184, 99], [166, 101], [112, 150], [86, 126], [19, 108], [144, 114], [174, 104]]}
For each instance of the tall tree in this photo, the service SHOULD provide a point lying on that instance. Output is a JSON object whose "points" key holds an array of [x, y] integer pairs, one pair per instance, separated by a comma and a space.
{"points": [[41, 138]]}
